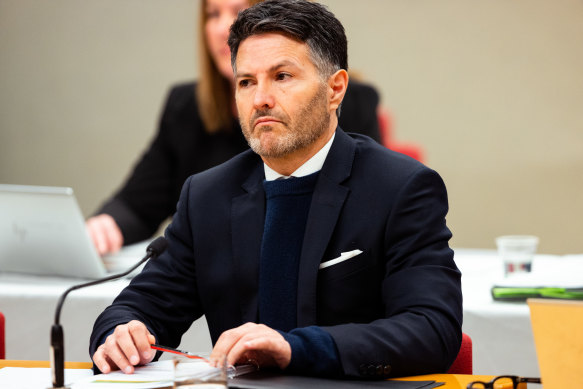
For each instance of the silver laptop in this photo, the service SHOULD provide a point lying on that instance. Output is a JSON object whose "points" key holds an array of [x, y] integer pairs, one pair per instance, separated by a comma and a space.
{"points": [[42, 232]]}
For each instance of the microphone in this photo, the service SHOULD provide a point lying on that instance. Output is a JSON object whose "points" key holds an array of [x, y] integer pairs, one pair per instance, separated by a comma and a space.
{"points": [[57, 351]]}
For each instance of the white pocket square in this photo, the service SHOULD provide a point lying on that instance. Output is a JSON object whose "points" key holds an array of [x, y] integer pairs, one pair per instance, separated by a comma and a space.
{"points": [[343, 257]]}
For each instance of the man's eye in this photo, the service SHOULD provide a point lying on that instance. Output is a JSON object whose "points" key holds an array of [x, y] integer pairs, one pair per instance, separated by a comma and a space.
{"points": [[282, 76], [243, 83]]}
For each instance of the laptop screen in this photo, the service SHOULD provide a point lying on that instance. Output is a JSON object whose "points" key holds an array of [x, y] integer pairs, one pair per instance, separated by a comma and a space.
{"points": [[42, 232]]}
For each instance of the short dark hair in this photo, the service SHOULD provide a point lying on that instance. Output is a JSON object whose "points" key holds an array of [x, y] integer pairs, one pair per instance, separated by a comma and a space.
{"points": [[305, 21]]}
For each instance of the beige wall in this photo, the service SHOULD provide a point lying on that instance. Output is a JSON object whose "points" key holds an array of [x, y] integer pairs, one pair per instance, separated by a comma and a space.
{"points": [[493, 90]]}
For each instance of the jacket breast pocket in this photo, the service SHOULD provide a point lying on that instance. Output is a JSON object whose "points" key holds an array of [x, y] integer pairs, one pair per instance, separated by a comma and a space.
{"points": [[349, 291], [339, 268]]}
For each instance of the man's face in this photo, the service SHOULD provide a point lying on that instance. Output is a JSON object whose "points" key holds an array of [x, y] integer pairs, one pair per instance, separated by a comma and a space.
{"points": [[281, 98]]}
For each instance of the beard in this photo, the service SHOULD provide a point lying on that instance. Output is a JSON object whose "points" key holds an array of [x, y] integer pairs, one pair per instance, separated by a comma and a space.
{"points": [[311, 122]]}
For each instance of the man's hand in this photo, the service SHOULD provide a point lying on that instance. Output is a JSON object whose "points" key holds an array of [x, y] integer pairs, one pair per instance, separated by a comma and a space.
{"points": [[252, 343], [105, 233], [128, 346]]}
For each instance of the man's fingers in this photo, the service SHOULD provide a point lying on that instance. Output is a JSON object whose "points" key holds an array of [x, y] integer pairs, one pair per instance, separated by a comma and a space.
{"points": [[237, 352], [141, 340], [264, 343], [264, 346], [130, 346], [116, 354], [100, 360], [125, 343], [253, 341], [223, 346], [240, 352], [126, 347], [273, 346], [226, 342]]}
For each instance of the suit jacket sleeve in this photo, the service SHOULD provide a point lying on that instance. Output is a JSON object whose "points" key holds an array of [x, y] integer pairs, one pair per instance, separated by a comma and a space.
{"points": [[419, 331], [164, 296]]}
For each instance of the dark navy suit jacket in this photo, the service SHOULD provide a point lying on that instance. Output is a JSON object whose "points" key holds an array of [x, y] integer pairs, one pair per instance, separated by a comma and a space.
{"points": [[395, 309]]}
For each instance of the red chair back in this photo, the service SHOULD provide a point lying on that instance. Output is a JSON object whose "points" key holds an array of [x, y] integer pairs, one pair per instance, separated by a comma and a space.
{"points": [[463, 363], [2, 340]]}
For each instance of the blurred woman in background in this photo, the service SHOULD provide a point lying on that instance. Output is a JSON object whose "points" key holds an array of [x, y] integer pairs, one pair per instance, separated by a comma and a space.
{"points": [[198, 130]]}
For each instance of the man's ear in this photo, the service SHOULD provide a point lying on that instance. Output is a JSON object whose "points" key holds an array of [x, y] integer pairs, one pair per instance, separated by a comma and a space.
{"points": [[337, 84]]}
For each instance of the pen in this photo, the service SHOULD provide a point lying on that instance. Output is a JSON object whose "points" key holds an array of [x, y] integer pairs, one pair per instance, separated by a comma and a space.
{"points": [[176, 351]]}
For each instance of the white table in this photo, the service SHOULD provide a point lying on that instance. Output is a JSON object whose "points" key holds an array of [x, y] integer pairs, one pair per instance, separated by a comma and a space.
{"points": [[501, 332]]}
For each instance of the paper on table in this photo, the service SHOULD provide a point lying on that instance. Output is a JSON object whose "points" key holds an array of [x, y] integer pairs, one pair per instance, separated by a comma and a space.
{"points": [[158, 374], [34, 378], [153, 375]]}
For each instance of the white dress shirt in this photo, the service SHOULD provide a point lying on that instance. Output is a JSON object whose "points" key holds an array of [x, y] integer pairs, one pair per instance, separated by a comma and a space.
{"points": [[312, 165]]}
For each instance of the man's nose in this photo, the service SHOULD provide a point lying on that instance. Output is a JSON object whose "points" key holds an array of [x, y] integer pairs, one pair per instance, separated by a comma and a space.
{"points": [[263, 96]]}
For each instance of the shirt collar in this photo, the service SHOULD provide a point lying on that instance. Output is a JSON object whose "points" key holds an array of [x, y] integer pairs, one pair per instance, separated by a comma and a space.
{"points": [[312, 165]]}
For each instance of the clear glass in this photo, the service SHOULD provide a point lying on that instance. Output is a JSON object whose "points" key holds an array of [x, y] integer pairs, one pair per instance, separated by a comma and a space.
{"points": [[516, 252], [197, 374]]}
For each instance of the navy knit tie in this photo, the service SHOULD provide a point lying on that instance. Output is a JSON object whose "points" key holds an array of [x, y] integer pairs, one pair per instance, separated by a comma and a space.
{"points": [[288, 204]]}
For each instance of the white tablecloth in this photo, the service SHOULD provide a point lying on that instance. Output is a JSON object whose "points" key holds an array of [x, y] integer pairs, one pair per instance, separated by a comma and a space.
{"points": [[501, 332]]}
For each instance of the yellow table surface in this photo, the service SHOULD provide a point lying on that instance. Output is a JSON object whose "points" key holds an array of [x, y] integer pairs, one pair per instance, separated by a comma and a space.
{"points": [[452, 381]]}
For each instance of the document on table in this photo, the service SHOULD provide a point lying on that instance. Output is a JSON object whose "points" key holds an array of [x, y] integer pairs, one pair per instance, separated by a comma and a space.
{"points": [[35, 378], [153, 375], [156, 375]]}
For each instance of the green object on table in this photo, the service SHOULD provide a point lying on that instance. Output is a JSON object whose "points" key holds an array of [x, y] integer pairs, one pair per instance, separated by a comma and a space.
{"points": [[507, 293]]}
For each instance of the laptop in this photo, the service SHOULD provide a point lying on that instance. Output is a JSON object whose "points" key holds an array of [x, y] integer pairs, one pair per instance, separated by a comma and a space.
{"points": [[557, 326], [42, 232]]}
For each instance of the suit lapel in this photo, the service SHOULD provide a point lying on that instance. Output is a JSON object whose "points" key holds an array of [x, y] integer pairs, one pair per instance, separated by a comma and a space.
{"points": [[327, 201], [248, 214]]}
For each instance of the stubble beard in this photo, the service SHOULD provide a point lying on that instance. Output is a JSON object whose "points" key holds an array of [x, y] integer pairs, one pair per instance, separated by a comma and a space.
{"points": [[312, 121]]}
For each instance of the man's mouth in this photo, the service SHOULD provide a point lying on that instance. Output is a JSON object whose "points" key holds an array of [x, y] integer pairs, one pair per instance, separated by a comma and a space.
{"points": [[265, 120]]}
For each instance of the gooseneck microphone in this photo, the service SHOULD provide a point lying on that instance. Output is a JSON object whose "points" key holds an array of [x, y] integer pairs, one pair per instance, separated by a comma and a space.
{"points": [[57, 351]]}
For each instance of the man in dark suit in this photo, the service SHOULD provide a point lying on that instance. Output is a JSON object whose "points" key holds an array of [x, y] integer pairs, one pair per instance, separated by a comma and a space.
{"points": [[317, 252]]}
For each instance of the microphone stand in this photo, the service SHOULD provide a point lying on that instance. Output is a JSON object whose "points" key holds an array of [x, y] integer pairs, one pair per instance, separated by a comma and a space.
{"points": [[57, 350]]}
